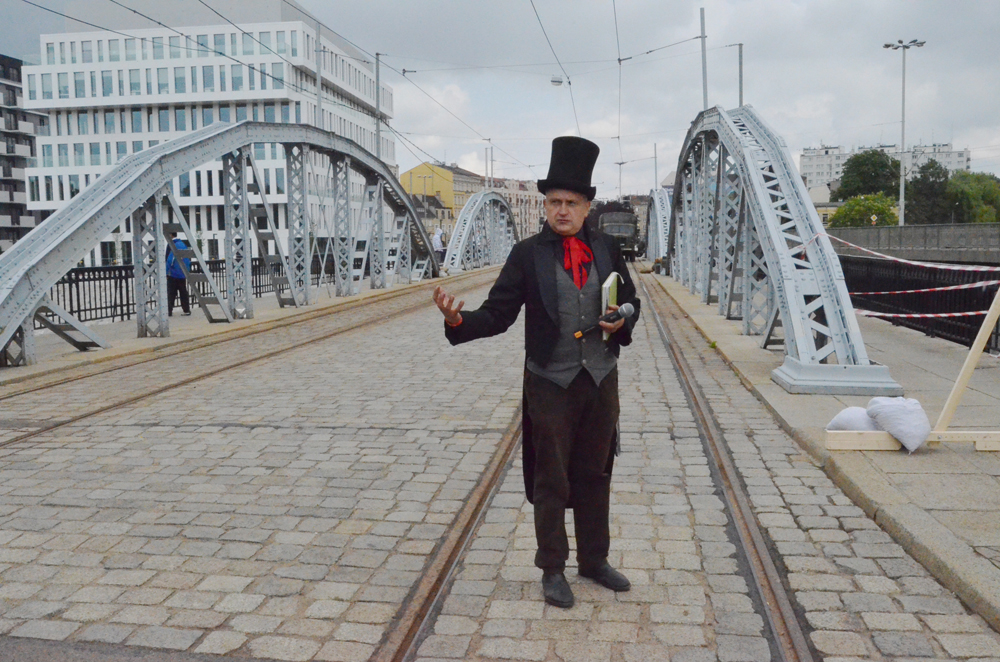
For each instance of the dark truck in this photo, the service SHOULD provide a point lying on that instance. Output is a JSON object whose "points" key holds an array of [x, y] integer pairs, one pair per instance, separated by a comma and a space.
{"points": [[624, 227]]}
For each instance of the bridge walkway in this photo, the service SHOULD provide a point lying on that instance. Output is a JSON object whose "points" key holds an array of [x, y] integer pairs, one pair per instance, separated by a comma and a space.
{"points": [[286, 494]]}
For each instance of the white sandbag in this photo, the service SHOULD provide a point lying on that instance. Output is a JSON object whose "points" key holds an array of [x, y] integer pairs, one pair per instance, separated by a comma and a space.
{"points": [[903, 418], [853, 419]]}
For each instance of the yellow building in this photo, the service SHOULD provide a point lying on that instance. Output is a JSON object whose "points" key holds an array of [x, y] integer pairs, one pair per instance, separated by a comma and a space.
{"points": [[452, 185]]}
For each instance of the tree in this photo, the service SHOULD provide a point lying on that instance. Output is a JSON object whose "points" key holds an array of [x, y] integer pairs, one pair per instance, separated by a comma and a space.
{"points": [[975, 197], [869, 172], [858, 212], [926, 195]]}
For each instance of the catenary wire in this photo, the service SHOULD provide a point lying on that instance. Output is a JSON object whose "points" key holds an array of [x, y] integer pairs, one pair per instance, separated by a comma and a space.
{"points": [[569, 83]]}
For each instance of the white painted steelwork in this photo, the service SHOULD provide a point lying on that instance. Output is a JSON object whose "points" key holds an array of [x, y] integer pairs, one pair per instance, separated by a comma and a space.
{"points": [[484, 233], [658, 225], [745, 236]]}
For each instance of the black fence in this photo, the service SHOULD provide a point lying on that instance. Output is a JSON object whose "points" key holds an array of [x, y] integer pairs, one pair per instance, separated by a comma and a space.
{"points": [[879, 275], [108, 293]]}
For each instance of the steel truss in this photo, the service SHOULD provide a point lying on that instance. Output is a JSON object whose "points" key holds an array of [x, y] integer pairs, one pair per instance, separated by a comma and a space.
{"points": [[35, 263], [484, 233], [658, 227], [744, 236]]}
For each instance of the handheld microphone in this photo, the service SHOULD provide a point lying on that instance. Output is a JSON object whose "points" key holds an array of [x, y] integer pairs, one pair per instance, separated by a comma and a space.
{"points": [[626, 310]]}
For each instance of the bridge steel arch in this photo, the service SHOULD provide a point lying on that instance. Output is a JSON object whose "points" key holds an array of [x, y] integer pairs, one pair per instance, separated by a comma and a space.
{"points": [[389, 235], [745, 236], [658, 226], [484, 233]]}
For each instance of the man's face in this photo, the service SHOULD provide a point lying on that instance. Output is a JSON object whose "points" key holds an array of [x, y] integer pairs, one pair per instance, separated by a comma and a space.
{"points": [[566, 211]]}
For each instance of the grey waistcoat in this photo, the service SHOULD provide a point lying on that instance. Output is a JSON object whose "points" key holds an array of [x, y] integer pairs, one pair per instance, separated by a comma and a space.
{"points": [[578, 310]]}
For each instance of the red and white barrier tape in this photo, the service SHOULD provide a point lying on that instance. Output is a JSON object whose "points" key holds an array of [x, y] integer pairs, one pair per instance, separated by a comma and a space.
{"points": [[929, 265], [870, 313], [967, 286]]}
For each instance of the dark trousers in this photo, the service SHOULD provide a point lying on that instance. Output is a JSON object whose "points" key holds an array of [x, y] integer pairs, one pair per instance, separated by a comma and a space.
{"points": [[572, 431], [177, 286]]}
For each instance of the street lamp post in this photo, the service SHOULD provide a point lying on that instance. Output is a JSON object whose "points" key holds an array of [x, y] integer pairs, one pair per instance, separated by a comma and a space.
{"points": [[899, 45]]}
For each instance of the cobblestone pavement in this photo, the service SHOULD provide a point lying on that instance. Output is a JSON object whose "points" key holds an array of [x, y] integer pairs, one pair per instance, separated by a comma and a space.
{"points": [[282, 510], [860, 596]]}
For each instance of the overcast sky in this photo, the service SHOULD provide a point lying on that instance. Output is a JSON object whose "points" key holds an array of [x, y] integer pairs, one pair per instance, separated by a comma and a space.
{"points": [[815, 70]]}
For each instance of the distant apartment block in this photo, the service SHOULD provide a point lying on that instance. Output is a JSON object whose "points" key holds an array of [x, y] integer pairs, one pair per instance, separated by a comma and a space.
{"points": [[18, 128], [116, 92], [824, 164]]}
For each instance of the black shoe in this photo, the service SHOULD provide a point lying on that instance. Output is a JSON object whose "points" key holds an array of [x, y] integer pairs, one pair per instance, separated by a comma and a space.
{"points": [[556, 590], [187, 312], [607, 577]]}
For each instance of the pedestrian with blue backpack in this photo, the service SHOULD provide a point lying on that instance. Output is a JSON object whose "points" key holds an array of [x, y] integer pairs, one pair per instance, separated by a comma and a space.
{"points": [[176, 282]]}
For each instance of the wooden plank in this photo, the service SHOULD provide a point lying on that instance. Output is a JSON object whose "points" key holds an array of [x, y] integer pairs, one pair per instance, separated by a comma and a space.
{"points": [[842, 440], [968, 436]]}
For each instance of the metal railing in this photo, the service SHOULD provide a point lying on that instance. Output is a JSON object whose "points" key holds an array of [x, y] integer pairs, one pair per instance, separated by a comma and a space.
{"points": [[864, 274], [107, 293]]}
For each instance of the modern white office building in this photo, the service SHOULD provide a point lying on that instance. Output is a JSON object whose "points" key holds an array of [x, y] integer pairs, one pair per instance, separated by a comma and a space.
{"points": [[117, 91], [824, 164]]}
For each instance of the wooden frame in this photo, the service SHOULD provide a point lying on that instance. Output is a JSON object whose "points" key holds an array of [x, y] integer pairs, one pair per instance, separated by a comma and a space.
{"points": [[985, 440]]}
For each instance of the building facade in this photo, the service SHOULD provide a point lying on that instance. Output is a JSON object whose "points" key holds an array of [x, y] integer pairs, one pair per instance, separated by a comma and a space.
{"points": [[18, 128], [115, 92], [824, 164]]}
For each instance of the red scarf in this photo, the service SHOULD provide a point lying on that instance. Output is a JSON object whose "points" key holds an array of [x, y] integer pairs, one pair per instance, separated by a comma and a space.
{"points": [[576, 257]]}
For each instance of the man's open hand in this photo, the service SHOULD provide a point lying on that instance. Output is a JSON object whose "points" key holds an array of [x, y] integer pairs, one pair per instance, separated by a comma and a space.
{"points": [[446, 304], [611, 327]]}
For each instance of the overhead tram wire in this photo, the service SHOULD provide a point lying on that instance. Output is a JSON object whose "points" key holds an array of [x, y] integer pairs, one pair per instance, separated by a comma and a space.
{"points": [[618, 44], [569, 83]]}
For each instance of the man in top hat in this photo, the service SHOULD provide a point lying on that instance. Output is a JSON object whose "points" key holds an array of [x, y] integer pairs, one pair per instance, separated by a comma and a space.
{"points": [[570, 403]]}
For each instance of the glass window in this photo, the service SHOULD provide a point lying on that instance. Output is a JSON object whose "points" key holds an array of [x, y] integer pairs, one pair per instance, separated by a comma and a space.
{"points": [[136, 146], [33, 188], [286, 113], [256, 114], [236, 75], [145, 48], [163, 81], [93, 83], [224, 113], [149, 81], [208, 79], [154, 143], [258, 151], [279, 181], [279, 38], [247, 44], [180, 119], [122, 150], [130, 49], [50, 53], [269, 112], [203, 49], [180, 80], [100, 51], [163, 115], [278, 75], [46, 156], [157, 48], [298, 112], [121, 83], [184, 182], [136, 120], [72, 52], [64, 86], [107, 153], [207, 116], [134, 83], [95, 154], [267, 182], [81, 123], [219, 41], [62, 52], [232, 44], [263, 76], [194, 118], [175, 47], [265, 42], [241, 113], [48, 189], [78, 154], [250, 77], [32, 92], [74, 185], [46, 86], [194, 79], [107, 84], [86, 51], [197, 192], [114, 50], [79, 85], [295, 43], [109, 122]]}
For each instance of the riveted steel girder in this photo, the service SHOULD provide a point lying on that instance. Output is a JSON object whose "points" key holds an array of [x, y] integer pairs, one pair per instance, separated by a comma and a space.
{"points": [[484, 233], [35, 263], [658, 225], [741, 213]]}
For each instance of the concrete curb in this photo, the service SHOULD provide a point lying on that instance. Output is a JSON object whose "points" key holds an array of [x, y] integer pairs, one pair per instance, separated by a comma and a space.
{"points": [[949, 559]]}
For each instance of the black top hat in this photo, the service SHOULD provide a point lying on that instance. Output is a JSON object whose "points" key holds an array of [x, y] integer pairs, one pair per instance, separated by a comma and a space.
{"points": [[571, 166]]}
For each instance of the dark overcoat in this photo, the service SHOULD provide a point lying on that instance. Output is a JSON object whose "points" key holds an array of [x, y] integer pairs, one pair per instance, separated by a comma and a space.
{"points": [[528, 279]]}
